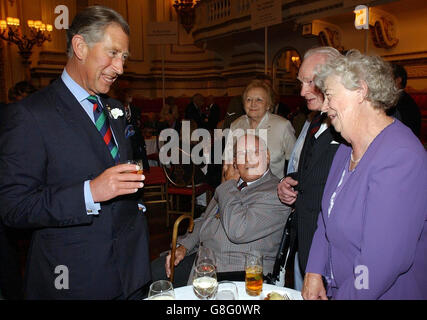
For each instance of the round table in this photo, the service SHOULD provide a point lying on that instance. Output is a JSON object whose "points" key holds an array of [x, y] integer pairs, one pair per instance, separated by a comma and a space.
{"points": [[187, 293]]}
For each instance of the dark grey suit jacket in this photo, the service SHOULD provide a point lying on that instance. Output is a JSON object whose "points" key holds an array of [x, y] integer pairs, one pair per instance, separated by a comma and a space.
{"points": [[49, 148], [238, 222]]}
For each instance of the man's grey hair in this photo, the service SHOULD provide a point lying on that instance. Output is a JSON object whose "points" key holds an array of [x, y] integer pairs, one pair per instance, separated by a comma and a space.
{"points": [[330, 52], [91, 23], [353, 68]]}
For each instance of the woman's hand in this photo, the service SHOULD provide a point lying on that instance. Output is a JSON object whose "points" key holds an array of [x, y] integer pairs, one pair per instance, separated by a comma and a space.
{"points": [[313, 288]]}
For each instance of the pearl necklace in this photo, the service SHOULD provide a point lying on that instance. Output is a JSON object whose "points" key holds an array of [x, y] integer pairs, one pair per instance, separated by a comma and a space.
{"points": [[354, 161]]}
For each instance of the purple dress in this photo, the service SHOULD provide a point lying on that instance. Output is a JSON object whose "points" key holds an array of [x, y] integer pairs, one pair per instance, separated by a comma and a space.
{"points": [[371, 239]]}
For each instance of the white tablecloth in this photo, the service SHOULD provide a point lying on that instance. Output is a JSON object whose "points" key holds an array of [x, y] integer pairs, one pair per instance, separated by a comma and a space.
{"points": [[187, 293]]}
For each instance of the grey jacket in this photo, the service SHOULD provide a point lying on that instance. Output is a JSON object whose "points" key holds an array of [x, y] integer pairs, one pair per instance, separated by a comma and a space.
{"points": [[238, 222]]}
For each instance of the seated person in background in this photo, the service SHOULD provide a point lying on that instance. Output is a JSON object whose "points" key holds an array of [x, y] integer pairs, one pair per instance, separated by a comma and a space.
{"points": [[151, 126], [169, 114], [212, 113], [244, 215], [194, 110]]}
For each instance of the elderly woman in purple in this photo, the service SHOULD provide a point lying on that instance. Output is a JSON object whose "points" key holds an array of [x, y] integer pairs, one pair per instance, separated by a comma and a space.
{"points": [[371, 238]]}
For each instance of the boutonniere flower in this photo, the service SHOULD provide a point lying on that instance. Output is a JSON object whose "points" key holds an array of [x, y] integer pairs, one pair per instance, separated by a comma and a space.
{"points": [[114, 113]]}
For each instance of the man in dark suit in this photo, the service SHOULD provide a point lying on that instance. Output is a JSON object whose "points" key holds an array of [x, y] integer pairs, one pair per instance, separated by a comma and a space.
{"points": [[60, 176], [212, 114], [406, 109], [304, 188], [194, 111]]}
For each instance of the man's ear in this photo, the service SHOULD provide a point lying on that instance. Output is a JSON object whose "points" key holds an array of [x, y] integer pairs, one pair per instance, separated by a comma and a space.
{"points": [[80, 47]]}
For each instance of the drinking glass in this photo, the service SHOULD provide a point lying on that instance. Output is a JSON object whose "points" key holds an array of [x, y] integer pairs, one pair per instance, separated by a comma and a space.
{"points": [[204, 281], [227, 290], [205, 255], [161, 290], [137, 162], [253, 273]]}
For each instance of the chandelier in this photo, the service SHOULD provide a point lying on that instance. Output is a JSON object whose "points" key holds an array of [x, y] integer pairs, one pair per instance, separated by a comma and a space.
{"points": [[39, 32], [186, 12]]}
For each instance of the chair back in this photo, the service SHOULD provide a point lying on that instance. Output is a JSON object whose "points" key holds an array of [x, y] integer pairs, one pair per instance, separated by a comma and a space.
{"points": [[183, 175]]}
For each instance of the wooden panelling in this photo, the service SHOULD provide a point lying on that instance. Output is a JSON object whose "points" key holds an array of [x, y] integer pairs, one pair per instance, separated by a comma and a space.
{"points": [[136, 20]]}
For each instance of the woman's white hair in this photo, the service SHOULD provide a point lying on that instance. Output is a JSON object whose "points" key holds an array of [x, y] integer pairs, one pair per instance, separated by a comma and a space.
{"points": [[353, 68]]}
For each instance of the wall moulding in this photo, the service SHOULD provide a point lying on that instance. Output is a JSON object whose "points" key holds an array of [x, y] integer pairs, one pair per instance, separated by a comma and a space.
{"points": [[383, 29]]}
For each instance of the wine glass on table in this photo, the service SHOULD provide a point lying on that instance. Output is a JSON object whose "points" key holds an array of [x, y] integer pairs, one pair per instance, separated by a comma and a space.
{"points": [[205, 255], [161, 290], [204, 281]]}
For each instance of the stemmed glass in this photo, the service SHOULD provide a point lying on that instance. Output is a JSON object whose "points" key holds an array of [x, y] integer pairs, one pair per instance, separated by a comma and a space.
{"points": [[205, 255], [161, 290], [205, 282]]}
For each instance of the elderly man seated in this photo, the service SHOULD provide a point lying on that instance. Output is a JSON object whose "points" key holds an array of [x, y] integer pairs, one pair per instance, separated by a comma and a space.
{"points": [[245, 215]]}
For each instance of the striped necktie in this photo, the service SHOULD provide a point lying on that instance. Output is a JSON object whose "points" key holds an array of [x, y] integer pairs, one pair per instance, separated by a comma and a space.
{"points": [[242, 185], [103, 126], [316, 123]]}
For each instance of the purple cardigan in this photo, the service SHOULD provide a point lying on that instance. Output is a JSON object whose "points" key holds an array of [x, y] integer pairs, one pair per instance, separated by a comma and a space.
{"points": [[374, 244]]}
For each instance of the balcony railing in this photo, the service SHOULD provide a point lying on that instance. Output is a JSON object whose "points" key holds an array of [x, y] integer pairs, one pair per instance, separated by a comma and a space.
{"points": [[215, 18], [212, 13], [220, 10]]}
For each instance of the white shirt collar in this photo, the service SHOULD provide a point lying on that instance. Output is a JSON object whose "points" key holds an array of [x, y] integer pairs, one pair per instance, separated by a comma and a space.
{"points": [[250, 182]]}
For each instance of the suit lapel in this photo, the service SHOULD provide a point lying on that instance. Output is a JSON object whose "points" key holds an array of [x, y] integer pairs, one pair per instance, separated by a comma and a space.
{"points": [[74, 115], [319, 148]]}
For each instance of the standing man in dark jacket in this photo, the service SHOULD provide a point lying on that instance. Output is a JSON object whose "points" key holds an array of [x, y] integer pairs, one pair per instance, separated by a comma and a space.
{"points": [[304, 188], [194, 111], [60, 173], [406, 109]]}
